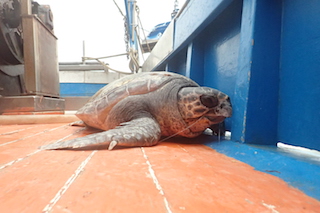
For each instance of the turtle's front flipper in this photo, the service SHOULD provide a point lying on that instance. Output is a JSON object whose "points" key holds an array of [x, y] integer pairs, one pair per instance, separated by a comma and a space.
{"points": [[139, 132]]}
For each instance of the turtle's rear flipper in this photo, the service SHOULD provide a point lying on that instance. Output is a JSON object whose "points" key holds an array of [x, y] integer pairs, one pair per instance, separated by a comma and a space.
{"points": [[139, 132]]}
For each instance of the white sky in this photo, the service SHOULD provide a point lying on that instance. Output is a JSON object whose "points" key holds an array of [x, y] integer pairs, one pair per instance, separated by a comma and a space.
{"points": [[100, 24]]}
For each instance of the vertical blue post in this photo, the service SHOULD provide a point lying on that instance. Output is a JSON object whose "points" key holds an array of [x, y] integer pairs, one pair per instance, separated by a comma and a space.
{"points": [[255, 100], [130, 10], [241, 93], [179, 64], [194, 63]]}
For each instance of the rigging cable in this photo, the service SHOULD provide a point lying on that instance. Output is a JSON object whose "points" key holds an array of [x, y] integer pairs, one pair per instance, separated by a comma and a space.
{"points": [[132, 54]]}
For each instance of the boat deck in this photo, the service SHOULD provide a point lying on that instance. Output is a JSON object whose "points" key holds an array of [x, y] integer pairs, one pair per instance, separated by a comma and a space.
{"points": [[170, 177]]}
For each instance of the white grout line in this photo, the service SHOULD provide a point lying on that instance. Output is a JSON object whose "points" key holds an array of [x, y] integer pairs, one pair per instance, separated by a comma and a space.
{"points": [[33, 153], [39, 133], [66, 186], [271, 207], [16, 131], [18, 160], [155, 181]]}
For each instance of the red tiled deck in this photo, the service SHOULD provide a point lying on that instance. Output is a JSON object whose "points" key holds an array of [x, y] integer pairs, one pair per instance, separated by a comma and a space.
{"points": [[170, 177]]}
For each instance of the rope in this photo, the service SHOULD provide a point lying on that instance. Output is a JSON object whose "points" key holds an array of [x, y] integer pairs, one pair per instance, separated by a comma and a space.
{"points": [[144, 35], [133, 64], [118, 8], [132, 54], [106, 67], [177, 133], [134, 60], [126, 34], [110, 56]]}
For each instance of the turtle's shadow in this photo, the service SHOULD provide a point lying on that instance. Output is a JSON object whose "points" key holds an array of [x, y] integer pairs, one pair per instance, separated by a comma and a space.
{"points": [[201, 139]]}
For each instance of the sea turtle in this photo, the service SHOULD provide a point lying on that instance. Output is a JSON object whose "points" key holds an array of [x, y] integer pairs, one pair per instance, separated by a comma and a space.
{"points": [[138, 109]]}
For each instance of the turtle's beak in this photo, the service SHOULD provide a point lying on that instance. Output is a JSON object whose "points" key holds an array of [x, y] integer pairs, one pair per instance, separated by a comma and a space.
{"points": [[224, 109], [216, 119]]}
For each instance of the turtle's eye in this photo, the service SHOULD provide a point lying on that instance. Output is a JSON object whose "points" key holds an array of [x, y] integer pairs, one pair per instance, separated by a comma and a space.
{"points": [[209, 101]]}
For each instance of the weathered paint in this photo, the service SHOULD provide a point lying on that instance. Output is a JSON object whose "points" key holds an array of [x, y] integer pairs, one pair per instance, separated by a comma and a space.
{"points": [[169, 177], [265, 55], [301, 173], [257, 83]]}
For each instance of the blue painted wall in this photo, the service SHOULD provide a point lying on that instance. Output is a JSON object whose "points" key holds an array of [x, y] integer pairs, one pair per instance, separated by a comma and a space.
{"points": [[299, 106], [200, 14], [265, 54], [256, 92], [221, 49], [211, 58], [179, 64], [79, 89]]}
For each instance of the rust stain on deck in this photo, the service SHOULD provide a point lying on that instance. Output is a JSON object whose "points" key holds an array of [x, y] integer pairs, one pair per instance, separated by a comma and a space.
{"points": [[169, 177]]}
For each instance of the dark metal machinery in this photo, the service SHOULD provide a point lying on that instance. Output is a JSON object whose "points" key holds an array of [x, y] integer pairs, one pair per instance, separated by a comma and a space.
{"points": [[29, 78]]}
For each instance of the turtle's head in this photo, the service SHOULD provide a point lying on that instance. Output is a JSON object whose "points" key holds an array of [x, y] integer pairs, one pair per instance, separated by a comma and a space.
{"points": [[209, 105]]}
